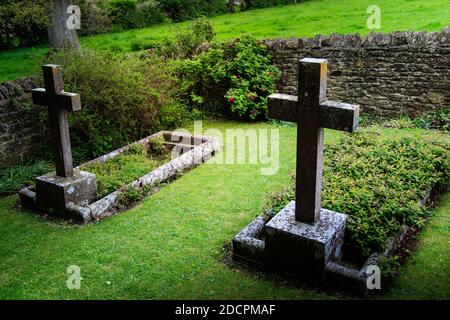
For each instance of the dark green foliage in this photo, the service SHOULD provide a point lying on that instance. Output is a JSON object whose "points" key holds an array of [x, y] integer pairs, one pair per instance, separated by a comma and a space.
{"points": [[157, 147], [254, 4], [124, 14], [130, 14], [184, 43], [23, 23], [13, 178], [379, 183], [230, 79], [94, 17], [435, 120], [180, 10], [151, 12], [431, 120], [390, 267], [124, 98], [268, 3]]}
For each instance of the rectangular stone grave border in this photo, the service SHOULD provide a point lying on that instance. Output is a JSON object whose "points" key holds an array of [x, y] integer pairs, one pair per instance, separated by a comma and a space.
{"points": [[248, 247], [198, 150]]}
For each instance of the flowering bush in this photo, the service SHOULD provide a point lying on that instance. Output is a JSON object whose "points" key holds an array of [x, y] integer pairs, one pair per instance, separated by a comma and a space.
{"points": [[252, 78], [232, 79]]}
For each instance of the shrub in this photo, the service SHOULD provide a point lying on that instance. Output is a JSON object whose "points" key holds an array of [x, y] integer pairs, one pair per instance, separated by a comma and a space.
{"points": [[22, 23], [185, 42], [253, 4], [94, 17], [130, 14], [124, 14], [180, 10], [232, 79], [151, 12], [124, 97], [378, 182]]}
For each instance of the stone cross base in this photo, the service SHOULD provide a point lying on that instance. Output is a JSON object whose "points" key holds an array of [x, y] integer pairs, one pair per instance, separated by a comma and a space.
{"points": [[56, 195], [304, 249]]}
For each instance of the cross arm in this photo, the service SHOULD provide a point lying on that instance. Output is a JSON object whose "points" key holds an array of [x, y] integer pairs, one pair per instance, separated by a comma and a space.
{"points": [[339, 116], [64, 100], [334, 115], [282, 107]]}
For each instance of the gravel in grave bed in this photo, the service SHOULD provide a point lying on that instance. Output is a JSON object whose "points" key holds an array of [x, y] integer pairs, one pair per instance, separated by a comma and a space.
{"points": [[123, 169]]}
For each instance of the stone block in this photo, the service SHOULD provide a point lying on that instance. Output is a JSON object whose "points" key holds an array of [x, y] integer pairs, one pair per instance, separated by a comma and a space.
{"points": [[54, 193], [304, 249], [247, 245]]}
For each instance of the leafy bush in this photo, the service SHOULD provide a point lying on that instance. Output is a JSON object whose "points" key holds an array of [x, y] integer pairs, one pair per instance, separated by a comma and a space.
{"points": [[254, 4], [151, 12], [378, 182], [94, 17], [232, 79], [124, 14], [124, 98], [185, 42], [130, 14], [180, 10], [22, 23]]}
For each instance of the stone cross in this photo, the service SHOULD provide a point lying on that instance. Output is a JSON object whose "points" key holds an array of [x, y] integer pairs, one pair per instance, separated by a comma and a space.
{"points": [[58, 103], [312, 112]]}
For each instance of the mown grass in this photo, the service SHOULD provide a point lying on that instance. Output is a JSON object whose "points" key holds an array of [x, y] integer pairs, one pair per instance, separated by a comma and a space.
{"points": [[170, 245], [425, 274], [303, 19]]}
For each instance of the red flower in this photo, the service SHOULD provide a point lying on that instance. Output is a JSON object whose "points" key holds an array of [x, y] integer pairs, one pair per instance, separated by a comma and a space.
{"points": [[270, 73], [251, 97], [238, 76], [232, 99]]}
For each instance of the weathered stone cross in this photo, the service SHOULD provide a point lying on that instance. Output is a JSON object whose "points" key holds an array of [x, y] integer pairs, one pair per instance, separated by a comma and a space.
{"points": [[312, 112], [58, 103]]}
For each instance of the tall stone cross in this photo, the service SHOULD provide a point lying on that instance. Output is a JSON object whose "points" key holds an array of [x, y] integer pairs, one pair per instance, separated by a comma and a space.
{"points": [[58, 103], [313, 113]]}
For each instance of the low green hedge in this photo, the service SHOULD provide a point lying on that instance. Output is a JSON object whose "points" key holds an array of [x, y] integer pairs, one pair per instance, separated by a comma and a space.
{"points": [[379, 183]]}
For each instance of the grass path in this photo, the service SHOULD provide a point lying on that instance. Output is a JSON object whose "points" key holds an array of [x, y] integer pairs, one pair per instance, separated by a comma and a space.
{"points": [[427, 272], [169, 246], [305, 19]]}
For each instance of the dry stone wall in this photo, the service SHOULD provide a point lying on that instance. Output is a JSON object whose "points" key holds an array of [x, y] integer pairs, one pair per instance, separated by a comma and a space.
{"points": [[387, 74], [20, 132]]}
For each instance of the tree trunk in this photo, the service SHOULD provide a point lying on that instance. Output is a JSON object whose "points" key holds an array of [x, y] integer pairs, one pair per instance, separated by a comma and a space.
{"points": [[59, 35]]}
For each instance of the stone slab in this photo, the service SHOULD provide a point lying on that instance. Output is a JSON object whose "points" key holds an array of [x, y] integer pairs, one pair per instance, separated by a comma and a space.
{"points": [[304, 249], [54, 193], [246, 243]]}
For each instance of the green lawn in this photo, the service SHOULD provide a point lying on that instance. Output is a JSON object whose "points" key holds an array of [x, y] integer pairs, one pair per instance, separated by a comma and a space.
{"points": [[169, 246], [304, 19]]}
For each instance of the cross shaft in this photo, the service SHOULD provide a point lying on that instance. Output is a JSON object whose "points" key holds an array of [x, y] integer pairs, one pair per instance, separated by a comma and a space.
{"points": [[312, 113], [58, 103]]}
